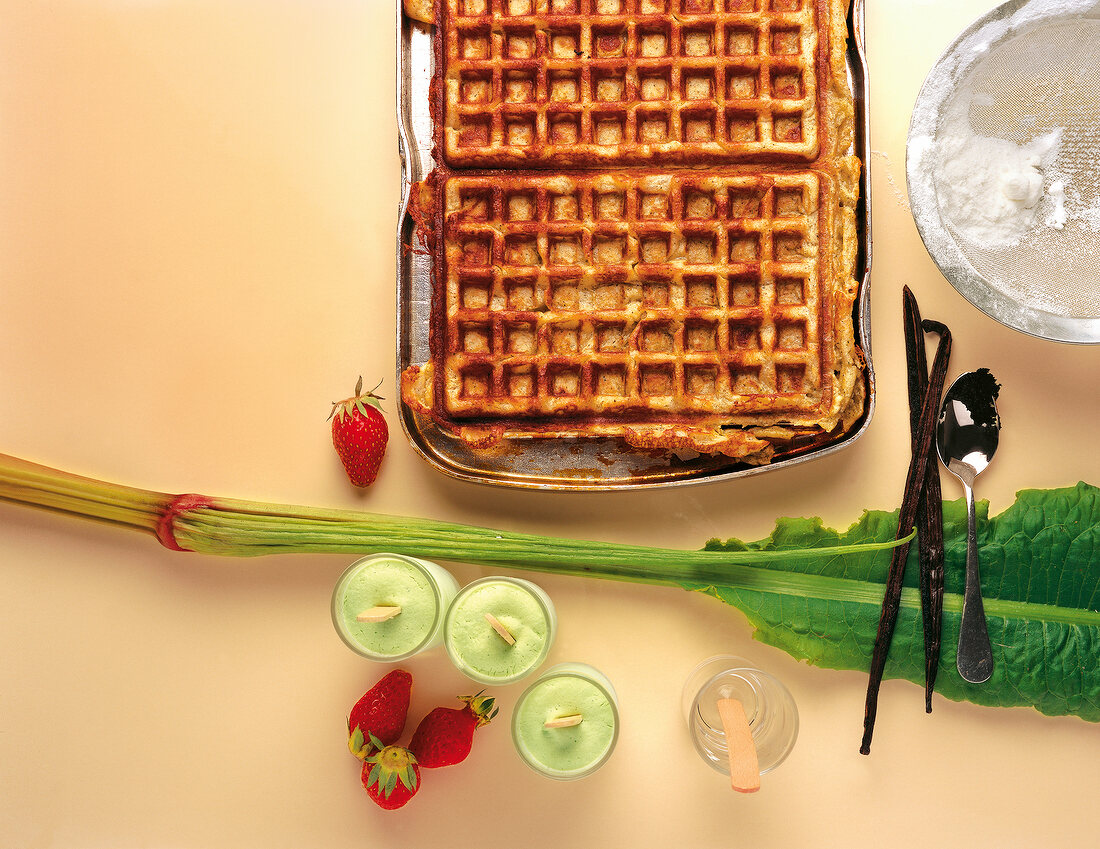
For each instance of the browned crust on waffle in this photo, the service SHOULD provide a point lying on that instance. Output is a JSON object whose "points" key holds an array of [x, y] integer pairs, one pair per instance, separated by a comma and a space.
{"points": [[696, 87], [673, 285], [421, 209], [774, 425], [745, 329], [420, 10]]}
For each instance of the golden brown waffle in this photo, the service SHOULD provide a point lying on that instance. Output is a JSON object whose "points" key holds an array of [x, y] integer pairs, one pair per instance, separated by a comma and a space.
{"points": [[532, 83], [577, 293], [642, 305]]}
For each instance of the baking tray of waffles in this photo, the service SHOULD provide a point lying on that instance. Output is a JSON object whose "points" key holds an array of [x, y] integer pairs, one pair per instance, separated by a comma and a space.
{"points": [[630, 238]]}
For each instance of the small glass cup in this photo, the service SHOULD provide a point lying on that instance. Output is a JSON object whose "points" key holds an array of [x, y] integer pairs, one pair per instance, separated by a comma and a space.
{"points": [[576, 749], [482, 653], [421, 589], [769, 706]]}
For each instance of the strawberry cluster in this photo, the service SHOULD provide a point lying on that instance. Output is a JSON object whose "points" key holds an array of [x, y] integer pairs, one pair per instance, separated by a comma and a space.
{"points": [[391, 773]]}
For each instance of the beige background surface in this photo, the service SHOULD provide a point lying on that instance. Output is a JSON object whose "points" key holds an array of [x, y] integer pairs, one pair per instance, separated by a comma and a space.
{"points": [[197, 204]]}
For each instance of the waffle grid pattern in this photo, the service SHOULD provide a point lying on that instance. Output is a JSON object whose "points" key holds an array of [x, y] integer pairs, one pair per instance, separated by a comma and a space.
{"points": [[532, 83], [677, 293]]}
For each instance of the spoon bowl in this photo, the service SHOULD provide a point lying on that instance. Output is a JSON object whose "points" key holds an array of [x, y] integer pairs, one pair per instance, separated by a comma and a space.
{"points": [[967, 433]]}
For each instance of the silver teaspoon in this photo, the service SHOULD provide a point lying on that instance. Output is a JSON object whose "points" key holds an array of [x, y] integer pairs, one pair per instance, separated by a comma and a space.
{"points": [[966, 438]]}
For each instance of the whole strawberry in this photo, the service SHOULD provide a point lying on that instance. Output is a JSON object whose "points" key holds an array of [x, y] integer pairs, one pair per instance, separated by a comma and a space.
{"points": [[360, 434], [380, 714], [444, 737], [390, 776]]}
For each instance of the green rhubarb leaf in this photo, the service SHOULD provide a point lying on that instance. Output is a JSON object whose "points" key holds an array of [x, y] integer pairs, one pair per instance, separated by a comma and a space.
{"points": [[1040, 566], [813, 591]]}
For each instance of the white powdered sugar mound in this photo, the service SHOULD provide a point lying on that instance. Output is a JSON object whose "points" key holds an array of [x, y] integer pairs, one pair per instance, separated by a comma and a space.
{"points": [[989, 188], [1002, 157]]}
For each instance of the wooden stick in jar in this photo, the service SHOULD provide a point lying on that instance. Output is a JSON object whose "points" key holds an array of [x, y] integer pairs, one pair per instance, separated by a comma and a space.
{"points": [[744, 762]]}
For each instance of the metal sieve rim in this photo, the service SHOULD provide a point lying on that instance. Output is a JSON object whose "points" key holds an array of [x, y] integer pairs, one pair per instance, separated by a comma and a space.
{"points": [[941, 246]]}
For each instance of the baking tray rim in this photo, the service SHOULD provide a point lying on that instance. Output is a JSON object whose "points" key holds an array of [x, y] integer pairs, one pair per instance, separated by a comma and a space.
{"points": [[412, 171]]}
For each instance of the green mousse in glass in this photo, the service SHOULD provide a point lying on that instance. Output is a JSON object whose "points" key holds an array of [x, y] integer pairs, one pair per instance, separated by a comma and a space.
{"points": [[388, 607], [566, 724], [498, 630]]}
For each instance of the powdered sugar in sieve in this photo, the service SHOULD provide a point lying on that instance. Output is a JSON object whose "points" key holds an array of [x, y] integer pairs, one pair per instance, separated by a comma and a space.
{"points": [[1003, 166]]}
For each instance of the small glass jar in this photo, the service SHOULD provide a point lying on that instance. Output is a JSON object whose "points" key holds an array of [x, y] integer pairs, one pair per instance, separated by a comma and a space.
{"points": [[769, 707], [580, 705], [422, 590]]}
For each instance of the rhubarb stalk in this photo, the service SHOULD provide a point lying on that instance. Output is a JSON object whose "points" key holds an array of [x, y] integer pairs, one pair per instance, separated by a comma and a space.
{"points": [[234, 527]]}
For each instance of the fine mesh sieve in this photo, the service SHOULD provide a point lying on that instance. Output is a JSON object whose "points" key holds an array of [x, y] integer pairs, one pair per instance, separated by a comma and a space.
{"points": [[1022, 81]]}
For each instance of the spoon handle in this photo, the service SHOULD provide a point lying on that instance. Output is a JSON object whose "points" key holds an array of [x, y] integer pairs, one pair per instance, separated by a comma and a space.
{"points": [[975, 656]]}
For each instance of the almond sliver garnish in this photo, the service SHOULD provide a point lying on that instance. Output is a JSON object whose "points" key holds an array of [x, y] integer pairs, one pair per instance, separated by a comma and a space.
{"points": [[379, 614], [744, 765], [564, 721], [505, 634]]}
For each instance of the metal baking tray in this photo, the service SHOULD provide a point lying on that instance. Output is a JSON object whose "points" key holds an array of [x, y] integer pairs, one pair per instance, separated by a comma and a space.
{"points": [[575, 464]]}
